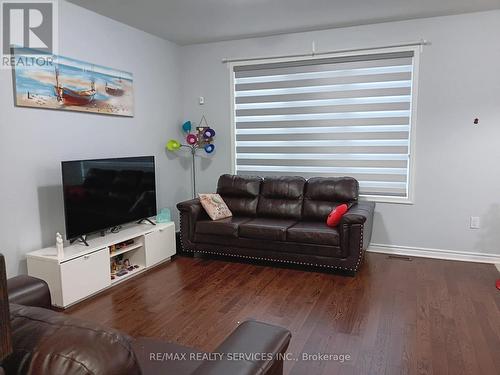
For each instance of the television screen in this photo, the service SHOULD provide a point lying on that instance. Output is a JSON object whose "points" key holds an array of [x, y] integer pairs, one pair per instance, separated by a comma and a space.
{"points": [[105, 193]]}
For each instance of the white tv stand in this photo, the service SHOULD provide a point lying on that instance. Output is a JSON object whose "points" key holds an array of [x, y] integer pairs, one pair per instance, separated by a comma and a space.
{"points": [[86, 270]]}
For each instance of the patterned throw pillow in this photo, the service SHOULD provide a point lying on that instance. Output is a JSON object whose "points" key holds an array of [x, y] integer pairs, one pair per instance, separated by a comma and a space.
{"points": [[215, 206]]}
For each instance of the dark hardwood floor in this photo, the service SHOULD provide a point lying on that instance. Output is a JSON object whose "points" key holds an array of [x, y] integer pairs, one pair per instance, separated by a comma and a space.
{"points": [[395, 317]]}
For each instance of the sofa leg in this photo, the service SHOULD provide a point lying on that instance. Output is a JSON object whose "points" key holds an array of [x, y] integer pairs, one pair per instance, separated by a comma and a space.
{"points": [[344, 273], [185, 254], [180, 248]]}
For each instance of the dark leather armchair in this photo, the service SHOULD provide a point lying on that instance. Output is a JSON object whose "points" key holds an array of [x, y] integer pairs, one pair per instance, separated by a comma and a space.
{"points": [[48, 342], [5, 331], [282, 219]]}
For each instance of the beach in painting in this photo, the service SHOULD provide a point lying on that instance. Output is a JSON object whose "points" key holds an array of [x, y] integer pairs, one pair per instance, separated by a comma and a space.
{"points": [[69, 84]]}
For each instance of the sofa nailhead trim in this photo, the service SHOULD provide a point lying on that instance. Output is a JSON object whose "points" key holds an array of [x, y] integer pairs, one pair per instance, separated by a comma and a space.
{"points": [[360, 257]]}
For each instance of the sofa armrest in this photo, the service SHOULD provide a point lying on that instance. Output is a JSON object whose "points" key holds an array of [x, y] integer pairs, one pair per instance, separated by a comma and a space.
{"points": [[360, 213], [192, 206], [190, 212], [356, 228], [253, 348], [47, 342], [29, 291], [225, 366]]}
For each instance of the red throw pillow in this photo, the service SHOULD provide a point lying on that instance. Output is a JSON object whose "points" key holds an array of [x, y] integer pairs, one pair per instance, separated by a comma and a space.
{"points": [[336, 215]]}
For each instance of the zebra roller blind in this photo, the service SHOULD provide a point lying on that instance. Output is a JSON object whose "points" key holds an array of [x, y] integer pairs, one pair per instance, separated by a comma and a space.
{"points": [[341, 116]]}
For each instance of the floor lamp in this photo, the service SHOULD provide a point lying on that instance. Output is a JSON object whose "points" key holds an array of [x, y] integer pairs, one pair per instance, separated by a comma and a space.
{"points": [[201, 138]]}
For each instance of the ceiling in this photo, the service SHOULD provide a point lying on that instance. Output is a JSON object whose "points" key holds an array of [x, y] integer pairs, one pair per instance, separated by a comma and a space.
{"points": [[198, 21]]}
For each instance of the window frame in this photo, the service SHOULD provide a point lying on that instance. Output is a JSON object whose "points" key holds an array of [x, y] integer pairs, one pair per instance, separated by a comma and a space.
{"points": [[411, 175]]}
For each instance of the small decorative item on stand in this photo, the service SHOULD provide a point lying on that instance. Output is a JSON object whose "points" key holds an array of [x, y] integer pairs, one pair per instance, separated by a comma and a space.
{"points": [[163, 216], [114, 269], [59, 246], [202, 138], [122, 272]]}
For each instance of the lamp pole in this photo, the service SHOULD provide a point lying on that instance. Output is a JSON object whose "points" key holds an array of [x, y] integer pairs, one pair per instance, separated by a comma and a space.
{"points": [[193, 154], [192, 149]]}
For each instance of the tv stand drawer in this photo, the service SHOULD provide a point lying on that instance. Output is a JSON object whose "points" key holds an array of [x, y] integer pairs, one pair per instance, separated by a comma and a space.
{"points": [[86, 275]]}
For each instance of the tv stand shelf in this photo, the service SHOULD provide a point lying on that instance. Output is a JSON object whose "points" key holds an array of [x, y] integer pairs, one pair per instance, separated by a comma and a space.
{"points": [[85, 270], [119, 279], [125, 249]]}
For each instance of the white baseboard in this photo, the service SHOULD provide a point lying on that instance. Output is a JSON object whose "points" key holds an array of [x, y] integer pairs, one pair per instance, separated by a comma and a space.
{"points": [[423, 252]]}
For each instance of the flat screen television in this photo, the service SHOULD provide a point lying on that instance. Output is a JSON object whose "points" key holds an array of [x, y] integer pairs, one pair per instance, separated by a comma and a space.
{"points": [[101, 194]]}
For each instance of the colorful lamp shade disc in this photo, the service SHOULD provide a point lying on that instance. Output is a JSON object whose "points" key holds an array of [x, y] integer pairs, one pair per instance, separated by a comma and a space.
{"points": [[191, 139], [173, 145], [209, 148], [186, 127], [209, 133]]}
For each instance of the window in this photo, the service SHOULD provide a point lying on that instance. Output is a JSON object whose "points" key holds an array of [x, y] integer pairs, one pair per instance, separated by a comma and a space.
{"points": [[329, 116]]}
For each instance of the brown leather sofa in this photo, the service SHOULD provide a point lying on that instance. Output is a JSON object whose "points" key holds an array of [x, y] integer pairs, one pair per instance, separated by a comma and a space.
{"points": [[282, 219], [48, 342]]}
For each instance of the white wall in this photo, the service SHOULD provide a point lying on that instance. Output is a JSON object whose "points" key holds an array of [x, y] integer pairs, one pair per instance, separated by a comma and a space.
{"points": [[33, 142], [457, 172]]}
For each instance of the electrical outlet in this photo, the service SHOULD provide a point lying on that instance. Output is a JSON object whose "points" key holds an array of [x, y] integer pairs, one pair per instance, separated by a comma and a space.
{"points": [[201, 100], [475, 222]]}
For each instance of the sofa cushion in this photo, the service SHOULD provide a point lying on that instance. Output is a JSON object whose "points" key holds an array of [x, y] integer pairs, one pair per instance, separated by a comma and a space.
{"points": [[281, 197], [241, 193], [266, 228], [313, 232], [222, 227], [323, 194]]}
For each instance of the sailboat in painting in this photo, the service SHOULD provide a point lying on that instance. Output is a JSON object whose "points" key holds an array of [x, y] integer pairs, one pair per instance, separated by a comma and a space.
{"points": [[73, 97], [114, 90]]}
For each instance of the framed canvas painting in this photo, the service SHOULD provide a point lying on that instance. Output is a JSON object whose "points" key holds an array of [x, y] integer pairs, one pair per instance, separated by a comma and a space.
{"points": [[67, 84]]}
